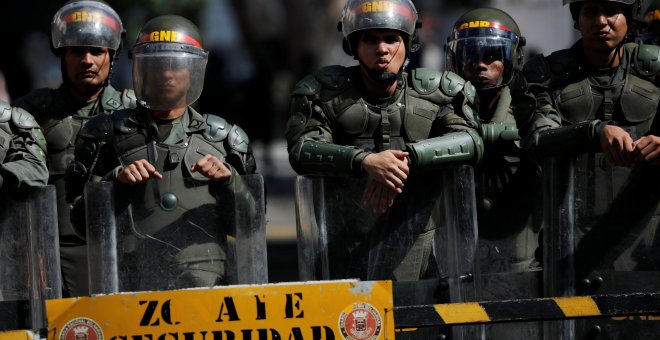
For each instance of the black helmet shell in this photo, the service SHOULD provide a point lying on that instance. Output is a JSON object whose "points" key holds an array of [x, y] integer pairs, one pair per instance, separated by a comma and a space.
{"points": [[86, 23], [399, 15], [485, 34], [168, 44]]}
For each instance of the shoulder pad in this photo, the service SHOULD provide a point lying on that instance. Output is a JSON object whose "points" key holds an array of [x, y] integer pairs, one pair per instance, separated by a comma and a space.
{"points": [[333, 77], [128, 99], [23, 119], [307, 86], [238, 139], [217, 128], [451, 83], [561, 63], [124, 121], [98, 127], [5, 111], [646, 59], [470, 92], [425, 80], [536, 70], [38, 99]]}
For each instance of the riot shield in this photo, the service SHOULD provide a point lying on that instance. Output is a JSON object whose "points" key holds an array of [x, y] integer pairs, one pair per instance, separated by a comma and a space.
{"points": [[29, 257], [600, 237], [339, 237], [509, 219], [456, 242], [432, 222], [136, 247]]}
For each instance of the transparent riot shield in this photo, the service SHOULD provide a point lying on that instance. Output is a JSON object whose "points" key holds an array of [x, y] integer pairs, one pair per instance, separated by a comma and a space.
{"points": [[29, 257], [509, 219], [456, 242], [434, 218], [341, 237], [600, 237], [134, 247]]}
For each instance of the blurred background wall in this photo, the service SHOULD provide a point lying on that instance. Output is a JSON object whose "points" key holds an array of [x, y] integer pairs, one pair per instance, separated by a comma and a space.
{"points": [[258, 51]]}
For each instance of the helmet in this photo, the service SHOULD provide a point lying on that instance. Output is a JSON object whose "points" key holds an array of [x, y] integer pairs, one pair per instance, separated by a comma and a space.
{"points": [[652, 18], [399, 15], [485, 34], [167, 45], [631, 10], [86, 23]]}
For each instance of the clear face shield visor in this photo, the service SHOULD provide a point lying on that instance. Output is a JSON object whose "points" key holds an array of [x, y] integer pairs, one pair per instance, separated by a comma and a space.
{"points": [[168, 76], [467, 55]]}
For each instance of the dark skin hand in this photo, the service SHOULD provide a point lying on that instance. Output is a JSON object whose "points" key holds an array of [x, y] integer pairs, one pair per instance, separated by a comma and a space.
{"points": [[647, 149], [388, 171], [141, 170], [617, 145]]}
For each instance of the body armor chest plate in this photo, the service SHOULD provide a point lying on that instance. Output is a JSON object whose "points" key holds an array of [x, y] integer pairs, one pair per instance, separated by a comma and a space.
{"points": [[61, 137], [161, 202], [374, 128], [634, 103]]}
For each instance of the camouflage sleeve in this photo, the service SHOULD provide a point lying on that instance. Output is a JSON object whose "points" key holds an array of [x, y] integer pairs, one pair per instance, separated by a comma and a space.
{"points": [[532, 104], [310, 143], [25, 161]]}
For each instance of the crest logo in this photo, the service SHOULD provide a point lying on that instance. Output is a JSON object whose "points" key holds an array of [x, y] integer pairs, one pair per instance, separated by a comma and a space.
{"points": [[361, 321], [81, 329]]}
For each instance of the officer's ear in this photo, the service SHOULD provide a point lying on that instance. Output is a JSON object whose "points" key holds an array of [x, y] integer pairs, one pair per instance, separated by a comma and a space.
{"points": [[415, 43], [521, 52], [121, 44], [345, 44]]}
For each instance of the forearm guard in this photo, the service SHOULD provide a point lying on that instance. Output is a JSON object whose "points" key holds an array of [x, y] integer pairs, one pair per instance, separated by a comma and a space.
{"points": [[567, 140], [495, 132], [326, 158], [465, 147]]}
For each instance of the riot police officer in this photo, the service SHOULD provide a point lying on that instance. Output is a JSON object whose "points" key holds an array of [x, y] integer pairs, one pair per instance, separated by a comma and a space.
{"points": [[23, 151], [86, 35], [377, 121], [590, 115], [486, 48], [169, 162], [596, 77]]}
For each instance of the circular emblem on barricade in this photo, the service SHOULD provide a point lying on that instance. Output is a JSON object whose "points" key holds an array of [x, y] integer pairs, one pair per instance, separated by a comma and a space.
{"points": [[360, 321], [81, 329]]}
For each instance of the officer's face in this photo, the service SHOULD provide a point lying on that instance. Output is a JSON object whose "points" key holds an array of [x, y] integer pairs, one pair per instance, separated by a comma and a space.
{"points": [[381, 49], [602, 24], [87, 68], [486, 68], [169, 83]]}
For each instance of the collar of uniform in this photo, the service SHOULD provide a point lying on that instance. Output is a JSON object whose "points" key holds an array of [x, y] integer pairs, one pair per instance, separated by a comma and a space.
{"points": [[111, 99], [193, 121]]}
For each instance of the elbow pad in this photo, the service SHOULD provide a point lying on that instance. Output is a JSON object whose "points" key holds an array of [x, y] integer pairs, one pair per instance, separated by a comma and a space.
{"points": [[465, 147], [567, 140], [326, 158], [495, 132]]}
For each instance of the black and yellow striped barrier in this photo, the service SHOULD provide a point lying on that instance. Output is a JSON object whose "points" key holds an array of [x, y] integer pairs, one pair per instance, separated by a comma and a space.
{"points": [[559, 308]]}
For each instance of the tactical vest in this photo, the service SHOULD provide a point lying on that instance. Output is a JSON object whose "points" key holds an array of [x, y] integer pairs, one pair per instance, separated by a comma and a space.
{"points": [[631, 99], [356, 122], [159, 203]]}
